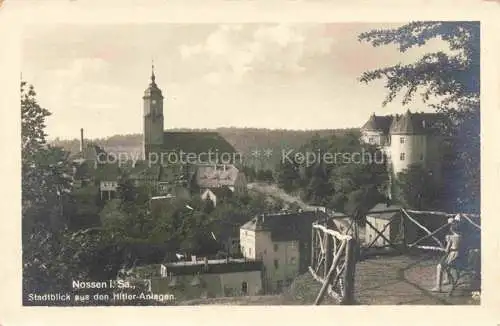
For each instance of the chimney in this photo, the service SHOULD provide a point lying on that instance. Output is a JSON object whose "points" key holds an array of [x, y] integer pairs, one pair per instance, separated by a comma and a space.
{"points": [[81, 140]]}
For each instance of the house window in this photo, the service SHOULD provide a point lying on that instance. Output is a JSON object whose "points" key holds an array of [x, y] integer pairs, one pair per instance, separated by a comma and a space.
{"points": [[292, 260], [250, 251], [402, 140], [371, 140], [244, 288], [421, 157], [276, 263], [275, 247], [402, 156]]}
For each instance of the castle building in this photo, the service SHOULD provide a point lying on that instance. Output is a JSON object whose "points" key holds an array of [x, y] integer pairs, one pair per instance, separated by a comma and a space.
{"points": [[408, 139]]}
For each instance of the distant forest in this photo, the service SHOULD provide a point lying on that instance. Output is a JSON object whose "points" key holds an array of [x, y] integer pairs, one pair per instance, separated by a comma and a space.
{"points": [[244, 140]]}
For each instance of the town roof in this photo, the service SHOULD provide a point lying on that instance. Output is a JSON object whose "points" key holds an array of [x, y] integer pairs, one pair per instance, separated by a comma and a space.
{"points": [[222, 191], [145, 171], [213, 176], [213, 266], [285, 226]]}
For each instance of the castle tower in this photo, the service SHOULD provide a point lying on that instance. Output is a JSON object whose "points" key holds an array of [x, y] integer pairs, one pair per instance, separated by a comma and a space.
{"points": [[153, 118], [408, 142]]}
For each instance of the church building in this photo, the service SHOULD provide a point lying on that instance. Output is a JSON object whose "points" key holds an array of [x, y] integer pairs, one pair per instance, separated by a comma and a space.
{"points": [[194, 145], [178, 158]]}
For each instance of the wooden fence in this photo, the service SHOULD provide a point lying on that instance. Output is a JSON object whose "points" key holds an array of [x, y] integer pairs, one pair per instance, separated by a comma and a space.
{"points": [[434, 236], [417, 229], [333, 264]]}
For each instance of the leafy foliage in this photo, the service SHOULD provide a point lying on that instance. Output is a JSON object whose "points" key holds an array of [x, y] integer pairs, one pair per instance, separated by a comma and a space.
{"points": [[355, 168], [416, 188]]}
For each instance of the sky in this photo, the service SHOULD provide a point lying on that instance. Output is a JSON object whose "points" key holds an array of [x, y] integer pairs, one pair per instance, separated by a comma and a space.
{"points": [[286, 76]]}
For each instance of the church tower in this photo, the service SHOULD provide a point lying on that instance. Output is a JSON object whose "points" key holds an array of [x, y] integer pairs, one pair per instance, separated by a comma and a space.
{"points": [[153, 118]]}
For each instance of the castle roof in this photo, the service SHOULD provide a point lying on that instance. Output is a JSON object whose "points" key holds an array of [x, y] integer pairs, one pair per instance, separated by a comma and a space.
{"points": [[415, 123], [378, 123], [406, 124]]}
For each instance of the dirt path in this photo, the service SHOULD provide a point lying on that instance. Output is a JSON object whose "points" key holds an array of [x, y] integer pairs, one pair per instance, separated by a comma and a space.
{"points": [[403, 280], [274, 191]]}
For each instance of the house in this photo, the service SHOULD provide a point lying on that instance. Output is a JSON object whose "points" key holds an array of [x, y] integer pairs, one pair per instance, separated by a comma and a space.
{"points": [[220, 175], [228, 235], [106, 178], [282, 241], [216, 194], [200, 278], [380, 216], [90, 166]]}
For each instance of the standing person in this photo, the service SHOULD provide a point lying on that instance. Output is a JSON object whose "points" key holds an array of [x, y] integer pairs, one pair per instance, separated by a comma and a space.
{"points": [[452, 252]]}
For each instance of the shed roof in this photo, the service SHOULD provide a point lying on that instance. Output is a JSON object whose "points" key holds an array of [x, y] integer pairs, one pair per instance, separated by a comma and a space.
{"points": [[384, 211]]}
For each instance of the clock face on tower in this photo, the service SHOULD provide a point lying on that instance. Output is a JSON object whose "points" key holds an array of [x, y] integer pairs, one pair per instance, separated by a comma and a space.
{"points": [[153, 101]]}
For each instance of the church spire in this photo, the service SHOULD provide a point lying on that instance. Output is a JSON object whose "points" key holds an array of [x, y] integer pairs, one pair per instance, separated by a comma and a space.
{"points": [[152, 72]]}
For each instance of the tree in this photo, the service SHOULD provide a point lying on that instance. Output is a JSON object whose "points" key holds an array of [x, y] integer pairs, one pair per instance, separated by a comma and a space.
{"points": [[287, 176], [45, 169], [127, 191], [415, 188], [84, 208], [45, 183], [449, 82]]}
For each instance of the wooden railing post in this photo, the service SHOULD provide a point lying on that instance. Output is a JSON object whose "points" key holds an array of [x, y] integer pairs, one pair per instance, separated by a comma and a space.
{"points": [[313, 246], [350, 271], [331, 272], [328, 253]]}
